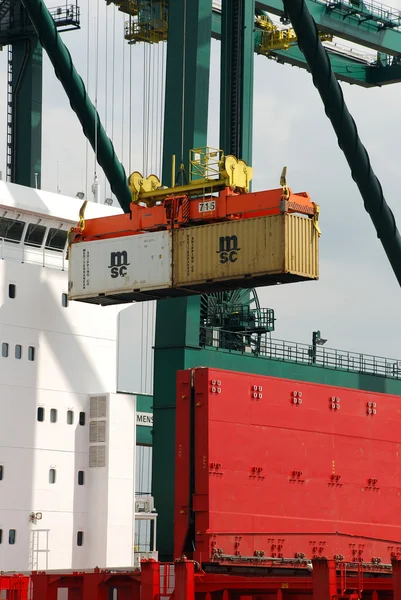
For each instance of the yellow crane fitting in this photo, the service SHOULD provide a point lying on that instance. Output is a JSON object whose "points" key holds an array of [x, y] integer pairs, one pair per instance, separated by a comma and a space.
{"points": [[150, 23], [140, 185], [274, 38], [129, 7], [210, 171]]}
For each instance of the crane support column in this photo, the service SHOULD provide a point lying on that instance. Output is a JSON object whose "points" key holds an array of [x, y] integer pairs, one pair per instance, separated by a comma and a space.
{"points": [[236, 91], [79, 100], [346, 131], [178, 320], [25, 113], [187, 80]]}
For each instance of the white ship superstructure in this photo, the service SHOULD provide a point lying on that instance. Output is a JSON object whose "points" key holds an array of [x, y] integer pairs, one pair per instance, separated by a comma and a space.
{"points": [[67, 438]]}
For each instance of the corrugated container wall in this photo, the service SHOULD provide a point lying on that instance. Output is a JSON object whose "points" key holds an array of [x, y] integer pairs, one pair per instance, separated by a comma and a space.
{"points": [[264, 251], [120, 266]]}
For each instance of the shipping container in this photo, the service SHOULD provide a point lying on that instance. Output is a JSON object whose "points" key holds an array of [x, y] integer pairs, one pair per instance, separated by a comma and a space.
{"points": [[207, 258], [268, 467], [249, 252], [118, 270]]}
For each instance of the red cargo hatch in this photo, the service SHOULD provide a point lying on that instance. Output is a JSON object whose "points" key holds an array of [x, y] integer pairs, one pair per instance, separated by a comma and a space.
{"points": [[267, 467]]}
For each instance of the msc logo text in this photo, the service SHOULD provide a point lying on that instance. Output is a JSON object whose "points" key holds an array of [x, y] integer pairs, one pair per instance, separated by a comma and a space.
{"points": [[228, 249], [118, 264]]}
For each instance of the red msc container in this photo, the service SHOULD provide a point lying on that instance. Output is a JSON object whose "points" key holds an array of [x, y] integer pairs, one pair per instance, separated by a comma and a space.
{"points": [[268, 467]]}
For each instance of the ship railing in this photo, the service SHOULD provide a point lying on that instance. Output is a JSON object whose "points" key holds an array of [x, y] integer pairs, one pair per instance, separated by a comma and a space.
{"points": [[266, 347]]}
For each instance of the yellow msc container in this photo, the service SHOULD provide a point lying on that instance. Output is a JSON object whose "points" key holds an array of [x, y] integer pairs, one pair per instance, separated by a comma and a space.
{"points": [[246, 253]]}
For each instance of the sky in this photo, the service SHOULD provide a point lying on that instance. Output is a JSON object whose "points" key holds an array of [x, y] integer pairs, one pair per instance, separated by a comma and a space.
{"points": [[356, 302]]}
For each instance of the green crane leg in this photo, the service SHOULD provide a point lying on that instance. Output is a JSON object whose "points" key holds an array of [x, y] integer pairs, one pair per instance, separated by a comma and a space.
{"points": [[26, 123], [177, 320], [346, 131], [236, 85], [187, 85], [79, 100]]}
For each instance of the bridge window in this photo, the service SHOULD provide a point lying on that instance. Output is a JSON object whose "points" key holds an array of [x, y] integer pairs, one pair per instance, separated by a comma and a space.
{"points": [[4, 350], [64, 300], [82, 418], [12, 536], [81, 477], [1, 472], [34, 235], [70, 417], [41, 413], [53, 415], [12, 290], [56, 239], [1, 536], [31, 352], [11, 230], [80, 538], [52, 475], [18, 351]]}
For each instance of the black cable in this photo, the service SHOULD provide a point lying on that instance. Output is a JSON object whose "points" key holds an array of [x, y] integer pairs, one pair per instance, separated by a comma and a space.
{"points": [[346, 130]]}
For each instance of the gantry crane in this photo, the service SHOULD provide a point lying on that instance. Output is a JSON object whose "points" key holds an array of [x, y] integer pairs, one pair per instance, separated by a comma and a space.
{"points": [[367, 23], [178, 343]]}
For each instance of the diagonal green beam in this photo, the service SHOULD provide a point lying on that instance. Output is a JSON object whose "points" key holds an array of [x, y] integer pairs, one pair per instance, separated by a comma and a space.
{"points": [[347, 134]]}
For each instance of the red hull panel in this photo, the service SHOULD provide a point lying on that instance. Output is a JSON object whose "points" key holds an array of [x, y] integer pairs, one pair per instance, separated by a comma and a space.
{"points": [[284, 468]]}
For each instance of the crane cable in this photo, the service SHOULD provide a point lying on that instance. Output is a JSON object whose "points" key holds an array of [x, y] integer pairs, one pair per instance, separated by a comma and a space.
{"points": [[87, 87], [96, 91], [183, 81], [122, 102], [130, 104]]}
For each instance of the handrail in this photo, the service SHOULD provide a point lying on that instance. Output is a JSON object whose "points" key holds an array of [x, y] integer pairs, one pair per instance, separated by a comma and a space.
{"points": [[266, 347]]}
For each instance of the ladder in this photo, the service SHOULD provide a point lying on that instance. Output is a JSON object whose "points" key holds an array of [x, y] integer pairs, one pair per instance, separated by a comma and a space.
{"points": [[5, 6]]}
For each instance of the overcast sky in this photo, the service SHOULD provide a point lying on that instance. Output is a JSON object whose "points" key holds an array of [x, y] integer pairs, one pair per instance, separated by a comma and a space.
{"points": [[356, 303]]}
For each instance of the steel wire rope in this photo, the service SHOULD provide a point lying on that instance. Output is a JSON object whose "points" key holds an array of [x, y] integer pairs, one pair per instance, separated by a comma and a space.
{"points": [[96, 90], [113, 75], [146, 349], [346, 131], [142, 339], [122, 101], [159, 107], [130, 104], [146, 110], [106, 85], [156, 169], [152, 104], [106, 62], [184, 57], [162, 97], [87, 87]]}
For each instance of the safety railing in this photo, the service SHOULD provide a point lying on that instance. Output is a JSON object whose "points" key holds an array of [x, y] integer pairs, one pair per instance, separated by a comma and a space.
{"points": [[66, 16], [281, 350], [368, 10]]}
